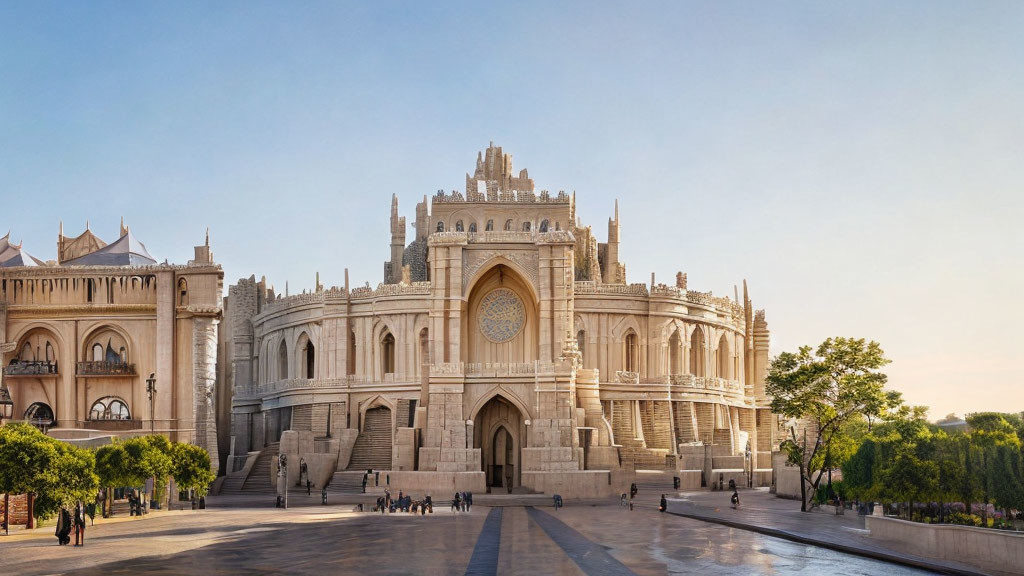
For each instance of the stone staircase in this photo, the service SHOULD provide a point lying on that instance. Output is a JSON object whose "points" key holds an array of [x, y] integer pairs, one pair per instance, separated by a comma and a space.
{"points": [[347, 482], [654, 484], [258, 480], [372, 450]]}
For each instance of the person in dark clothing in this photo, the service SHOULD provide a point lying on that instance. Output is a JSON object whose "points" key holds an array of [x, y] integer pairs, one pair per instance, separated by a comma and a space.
{"points": [[469, 501], [632, 490], [63, 529], [664, 504], [364, 483], [79, 523], [735, 499], [456, 503]]}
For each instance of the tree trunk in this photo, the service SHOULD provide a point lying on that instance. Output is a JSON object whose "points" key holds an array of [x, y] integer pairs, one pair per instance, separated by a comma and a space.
{"points": [[803, 490]]}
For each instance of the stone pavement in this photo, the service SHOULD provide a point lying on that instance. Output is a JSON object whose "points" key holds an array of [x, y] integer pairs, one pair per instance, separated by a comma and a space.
{"points": [[763, 513], [233, 537]]}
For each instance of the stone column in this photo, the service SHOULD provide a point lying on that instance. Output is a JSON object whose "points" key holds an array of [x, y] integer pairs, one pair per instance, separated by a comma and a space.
{"points": [[204, 341]]}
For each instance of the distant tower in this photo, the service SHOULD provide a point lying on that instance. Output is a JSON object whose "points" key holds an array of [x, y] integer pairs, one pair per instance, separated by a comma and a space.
{"points": [[393, 268], [613, 272]]}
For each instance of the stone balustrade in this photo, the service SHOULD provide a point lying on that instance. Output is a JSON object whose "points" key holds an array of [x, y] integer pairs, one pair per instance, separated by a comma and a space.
{"points": [[505, 196], [591, 287], [487, 369]]}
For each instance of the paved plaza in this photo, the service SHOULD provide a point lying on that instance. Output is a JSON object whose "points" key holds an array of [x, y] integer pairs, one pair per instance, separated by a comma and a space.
{"points": [[235, 536]]}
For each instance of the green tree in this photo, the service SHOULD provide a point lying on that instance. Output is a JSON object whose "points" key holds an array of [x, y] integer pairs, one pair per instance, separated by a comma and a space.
{"points": [[111, 467], [827, 387], [191, 468], [52, 472], [990, 433]]}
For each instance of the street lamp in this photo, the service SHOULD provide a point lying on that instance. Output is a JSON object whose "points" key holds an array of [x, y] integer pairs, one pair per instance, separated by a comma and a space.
{"points": [[6, 413], [150, 390]]}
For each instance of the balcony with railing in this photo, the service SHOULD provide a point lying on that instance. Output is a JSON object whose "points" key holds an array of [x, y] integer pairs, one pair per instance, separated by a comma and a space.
{"points": [[98, 368], [31, 368]]}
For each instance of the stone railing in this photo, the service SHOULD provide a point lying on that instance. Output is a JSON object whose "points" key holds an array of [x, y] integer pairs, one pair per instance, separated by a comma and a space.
{"points": [[330, 383], [706, 383], [669, 291], [627, 377], [502, 236], [296, 300], [508, 369], [699, 297], [507, 196], [30, 369], [106, 369], [591, 287], [416, 288], [487, 369]]}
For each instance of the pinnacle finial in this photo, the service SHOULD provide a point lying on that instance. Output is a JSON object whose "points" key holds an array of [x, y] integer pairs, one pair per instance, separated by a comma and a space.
{"points": [[207, 236]]}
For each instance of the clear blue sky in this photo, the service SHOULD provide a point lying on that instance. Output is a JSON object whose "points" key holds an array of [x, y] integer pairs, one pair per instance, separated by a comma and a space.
{"points": [[859, 163]]}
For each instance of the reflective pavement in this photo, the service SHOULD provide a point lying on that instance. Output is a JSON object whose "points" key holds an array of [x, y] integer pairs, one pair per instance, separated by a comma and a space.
{"points": [[330, 540]]}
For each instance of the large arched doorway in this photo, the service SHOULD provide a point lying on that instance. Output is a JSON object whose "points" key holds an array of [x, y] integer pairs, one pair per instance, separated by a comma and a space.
{"points": [[498, 431]]}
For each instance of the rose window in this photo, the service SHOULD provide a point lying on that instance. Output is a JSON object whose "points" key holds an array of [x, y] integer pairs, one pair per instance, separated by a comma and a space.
{"points": [[501, 316]]}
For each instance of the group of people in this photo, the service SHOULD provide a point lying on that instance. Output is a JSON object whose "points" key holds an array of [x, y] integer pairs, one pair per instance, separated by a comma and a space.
{"points": [[68, 522], [404, 503], [136, 503], [462, 502]]}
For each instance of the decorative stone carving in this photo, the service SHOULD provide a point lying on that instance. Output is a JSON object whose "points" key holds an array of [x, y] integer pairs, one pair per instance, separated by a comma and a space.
{"points": [[501, 316], [474, 260]]}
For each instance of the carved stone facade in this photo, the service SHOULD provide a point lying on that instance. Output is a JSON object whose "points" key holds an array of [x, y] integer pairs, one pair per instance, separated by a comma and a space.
{"points": [[81, 334], [501, 358]]}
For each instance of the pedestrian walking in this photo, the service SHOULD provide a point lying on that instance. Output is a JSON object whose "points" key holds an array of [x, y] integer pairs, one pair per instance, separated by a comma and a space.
{"points": [[664, 504], [63, 528], [79, 523], [735, 499]]}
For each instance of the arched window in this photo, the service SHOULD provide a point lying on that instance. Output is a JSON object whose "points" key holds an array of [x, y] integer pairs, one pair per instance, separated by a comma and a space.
{"points": [[440, 226], [526, 226], [490, 226], [182, 292], [387, 354], [51, 356], [27, 355], [544, 225], [90, 289], [282, 361], [97, 352], [39, 415], [675, 353], [424, 347], [310, 360], [458, 226], [472, 227], [110, 408], [508, 225], [581, 340], [697, 352], [632, 353], [724, 358]]}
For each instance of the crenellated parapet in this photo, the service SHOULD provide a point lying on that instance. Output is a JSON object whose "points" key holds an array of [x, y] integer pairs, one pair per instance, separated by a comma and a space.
{"points": [[503, 197]]}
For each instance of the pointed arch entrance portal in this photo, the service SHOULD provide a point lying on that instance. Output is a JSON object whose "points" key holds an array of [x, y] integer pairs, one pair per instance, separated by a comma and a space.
{"points": [[498, 431]]}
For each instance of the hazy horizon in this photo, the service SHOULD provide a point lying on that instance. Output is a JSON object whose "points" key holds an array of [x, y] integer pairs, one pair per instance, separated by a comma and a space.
{"points": [[859, 165]]}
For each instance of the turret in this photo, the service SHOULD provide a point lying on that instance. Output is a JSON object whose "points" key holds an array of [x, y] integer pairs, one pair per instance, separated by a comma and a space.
{"points": [[612, 270], [393, 268]]}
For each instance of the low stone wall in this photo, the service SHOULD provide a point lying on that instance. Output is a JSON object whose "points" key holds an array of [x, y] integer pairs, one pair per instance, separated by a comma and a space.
{"points": [[439, 485], [689, 479], [19, 509], [579, 484], [989, 550]]}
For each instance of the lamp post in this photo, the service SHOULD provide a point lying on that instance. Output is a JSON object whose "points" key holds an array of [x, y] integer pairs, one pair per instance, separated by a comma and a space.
{"points": [[6, 413], [151, 390]]}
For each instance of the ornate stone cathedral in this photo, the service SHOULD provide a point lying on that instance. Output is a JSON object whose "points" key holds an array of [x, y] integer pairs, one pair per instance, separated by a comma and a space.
{"points": [[504, 350]]}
